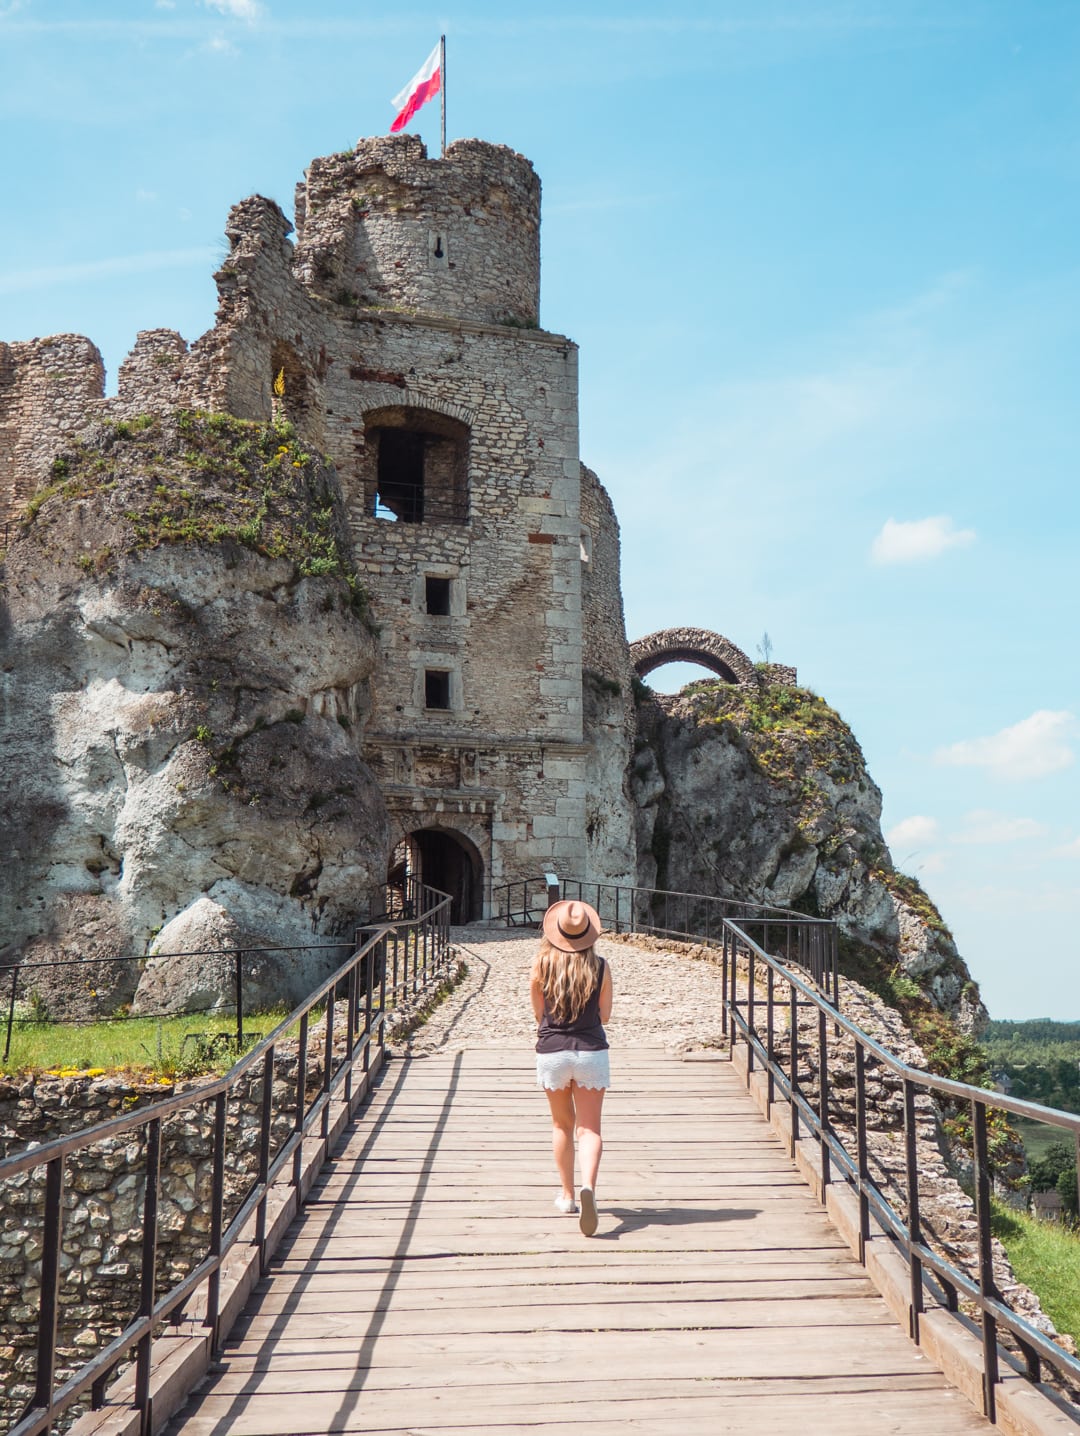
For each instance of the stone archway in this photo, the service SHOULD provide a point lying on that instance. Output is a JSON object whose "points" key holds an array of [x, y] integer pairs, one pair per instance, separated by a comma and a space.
{"points": [[692, 645], [445, 859]]}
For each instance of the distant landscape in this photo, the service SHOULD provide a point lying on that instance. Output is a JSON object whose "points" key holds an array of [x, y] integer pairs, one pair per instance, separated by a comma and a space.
{"points": [[1041, 1058]]}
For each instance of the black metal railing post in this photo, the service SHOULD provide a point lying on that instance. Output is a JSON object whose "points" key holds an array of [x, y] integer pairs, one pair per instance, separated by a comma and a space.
{"points": [[266, 1119], [724, 1015], [217, 1219], [49, 1307], [823, 1098], [862, 1166], [770, 1059], [328, 1063], [301, 1100], [987, 1285], [350, 1034], [148, 1274], [914, 1221], [238, 984], [794, 1075]]}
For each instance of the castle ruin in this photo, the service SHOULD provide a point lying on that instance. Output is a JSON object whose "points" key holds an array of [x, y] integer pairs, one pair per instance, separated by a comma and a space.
{"points": [[400, 336]]}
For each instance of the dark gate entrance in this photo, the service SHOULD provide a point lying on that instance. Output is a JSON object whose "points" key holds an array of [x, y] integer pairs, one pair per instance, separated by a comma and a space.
{"points": [[446, 860]]}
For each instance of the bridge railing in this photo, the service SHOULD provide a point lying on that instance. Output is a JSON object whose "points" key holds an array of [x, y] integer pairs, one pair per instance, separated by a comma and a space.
{"points": [[330, 1064], [795, 937], [797, 1037]]}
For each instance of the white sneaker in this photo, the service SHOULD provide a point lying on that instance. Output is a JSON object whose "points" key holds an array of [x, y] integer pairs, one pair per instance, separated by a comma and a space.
{"points": [[566, 1205]]}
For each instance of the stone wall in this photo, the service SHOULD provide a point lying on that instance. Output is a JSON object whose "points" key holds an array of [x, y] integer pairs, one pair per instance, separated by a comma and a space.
{"points": [[454, 236], [610, 718], [47, 387], [100, 1261]]}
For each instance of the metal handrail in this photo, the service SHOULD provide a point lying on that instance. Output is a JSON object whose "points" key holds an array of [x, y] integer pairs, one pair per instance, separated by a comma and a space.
{"points": [[12, 975], [740, 1018], [809, 941], [368, 976]]}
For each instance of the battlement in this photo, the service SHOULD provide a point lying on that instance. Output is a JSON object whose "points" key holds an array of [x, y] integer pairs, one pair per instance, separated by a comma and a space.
{"points": [[385, 226]]}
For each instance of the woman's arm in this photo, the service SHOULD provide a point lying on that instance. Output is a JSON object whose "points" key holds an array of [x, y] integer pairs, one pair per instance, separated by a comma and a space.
{"points": [[536, 992], [606, 994]]}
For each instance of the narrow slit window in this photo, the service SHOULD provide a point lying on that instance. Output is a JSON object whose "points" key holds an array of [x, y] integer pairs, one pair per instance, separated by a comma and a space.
{"points": [[437, 596], [436, 688]]}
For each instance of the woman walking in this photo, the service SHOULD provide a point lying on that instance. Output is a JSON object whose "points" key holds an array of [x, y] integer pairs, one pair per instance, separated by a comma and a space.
{"points": [[570, 988]]}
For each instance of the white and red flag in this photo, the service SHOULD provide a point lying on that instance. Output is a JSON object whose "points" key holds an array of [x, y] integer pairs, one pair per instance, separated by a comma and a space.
{"points": [[423, 86]]}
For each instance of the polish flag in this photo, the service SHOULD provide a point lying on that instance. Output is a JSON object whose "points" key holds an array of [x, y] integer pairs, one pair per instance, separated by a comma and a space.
{"points": [[423, 86]]}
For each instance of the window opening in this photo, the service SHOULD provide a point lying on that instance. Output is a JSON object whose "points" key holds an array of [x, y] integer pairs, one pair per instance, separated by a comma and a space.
{"points": [[401, 476], [437, 596], [436, 688], [416, 466]]}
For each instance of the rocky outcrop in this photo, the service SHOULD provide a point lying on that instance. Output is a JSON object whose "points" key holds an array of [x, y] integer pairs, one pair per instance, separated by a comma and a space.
{"points": [[185, 659], [763, 793]]}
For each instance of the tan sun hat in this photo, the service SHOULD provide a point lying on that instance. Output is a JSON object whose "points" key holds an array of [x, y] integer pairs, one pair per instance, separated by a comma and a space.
{"points": [[571, 926]]}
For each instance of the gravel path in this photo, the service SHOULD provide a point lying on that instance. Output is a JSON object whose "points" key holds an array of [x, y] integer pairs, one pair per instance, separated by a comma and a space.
{"points": [[662, 999]]}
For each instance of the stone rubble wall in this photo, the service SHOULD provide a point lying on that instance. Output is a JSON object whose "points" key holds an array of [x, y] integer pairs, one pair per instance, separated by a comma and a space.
{"points": [[47, 387], [455, 236], [101, 1254]]}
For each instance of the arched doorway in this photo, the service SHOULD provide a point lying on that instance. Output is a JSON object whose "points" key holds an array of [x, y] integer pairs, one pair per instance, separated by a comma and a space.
{"points": [[444, 859]]}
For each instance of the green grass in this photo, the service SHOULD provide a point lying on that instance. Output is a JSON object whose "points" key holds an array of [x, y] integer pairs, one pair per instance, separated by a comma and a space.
{"points": [[1047, 1258], [155, 1047], [1037, 1136]]}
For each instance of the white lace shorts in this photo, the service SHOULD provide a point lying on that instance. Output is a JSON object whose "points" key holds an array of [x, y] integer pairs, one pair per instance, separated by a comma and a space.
{"points": [[555, 1070]]}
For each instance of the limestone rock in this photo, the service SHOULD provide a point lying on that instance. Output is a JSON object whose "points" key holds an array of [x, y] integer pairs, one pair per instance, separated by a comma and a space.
{"points": [[185, 665], [762, 792]]}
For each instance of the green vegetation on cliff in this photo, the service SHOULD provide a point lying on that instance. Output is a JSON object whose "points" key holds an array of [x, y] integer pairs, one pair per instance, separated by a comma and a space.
{"points": [[783, 725], [200, 478]]}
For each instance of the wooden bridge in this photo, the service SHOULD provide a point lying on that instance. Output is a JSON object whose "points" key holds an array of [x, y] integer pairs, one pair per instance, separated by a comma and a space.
{"points": [[429, 1286]]}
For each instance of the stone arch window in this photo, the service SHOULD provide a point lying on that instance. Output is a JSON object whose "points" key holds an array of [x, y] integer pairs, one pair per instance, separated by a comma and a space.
{"points": [[416, 466], [289, 385]]}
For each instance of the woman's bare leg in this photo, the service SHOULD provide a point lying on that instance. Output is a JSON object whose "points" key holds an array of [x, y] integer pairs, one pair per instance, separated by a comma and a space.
{"points": [[588, 1102], [562, 1136]]}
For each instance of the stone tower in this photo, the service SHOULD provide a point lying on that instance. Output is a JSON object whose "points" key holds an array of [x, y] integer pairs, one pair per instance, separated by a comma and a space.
{"points": [[453, 420]]}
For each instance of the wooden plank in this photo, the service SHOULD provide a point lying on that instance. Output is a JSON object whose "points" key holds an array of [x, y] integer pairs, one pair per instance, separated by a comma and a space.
{"points": [[706, 1409], [430, 1288]]}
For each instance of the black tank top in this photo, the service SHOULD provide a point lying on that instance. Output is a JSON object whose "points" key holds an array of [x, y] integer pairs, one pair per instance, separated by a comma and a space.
{"points": [[584, 1034]]}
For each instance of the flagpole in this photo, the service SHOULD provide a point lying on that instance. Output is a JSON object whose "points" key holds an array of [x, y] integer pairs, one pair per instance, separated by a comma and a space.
{"points": [[442, 88]]}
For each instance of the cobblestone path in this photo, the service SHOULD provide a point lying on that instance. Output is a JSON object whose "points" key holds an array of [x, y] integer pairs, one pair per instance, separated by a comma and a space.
{"points": [[662, 999]]}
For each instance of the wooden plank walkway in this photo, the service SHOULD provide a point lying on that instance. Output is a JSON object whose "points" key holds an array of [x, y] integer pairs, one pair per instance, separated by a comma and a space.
{"points": [[430, 1287]]}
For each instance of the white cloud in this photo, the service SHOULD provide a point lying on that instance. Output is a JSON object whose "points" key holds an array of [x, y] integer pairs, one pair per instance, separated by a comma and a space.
{"points": [[249, 10], [219, 45], [984, 825], [1068, 850], [1031, 748], [913, 832], [918, 539], [145, 196]]}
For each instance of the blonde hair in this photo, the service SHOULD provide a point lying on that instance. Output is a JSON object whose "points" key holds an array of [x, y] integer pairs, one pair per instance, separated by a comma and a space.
{"points": [[567, 979]]}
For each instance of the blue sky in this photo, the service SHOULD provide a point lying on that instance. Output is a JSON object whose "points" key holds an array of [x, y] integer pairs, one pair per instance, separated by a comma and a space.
{"points": [[822, 263]]}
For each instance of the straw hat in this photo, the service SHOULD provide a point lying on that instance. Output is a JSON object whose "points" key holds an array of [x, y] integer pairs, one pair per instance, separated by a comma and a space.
{"points": [[571, 926]]}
